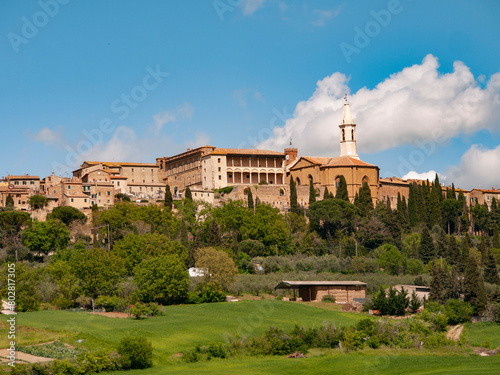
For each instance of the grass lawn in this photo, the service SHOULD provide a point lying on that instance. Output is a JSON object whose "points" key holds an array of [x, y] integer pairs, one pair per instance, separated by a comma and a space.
{"points": [[366, 362], [478, 333], [181, 329]]}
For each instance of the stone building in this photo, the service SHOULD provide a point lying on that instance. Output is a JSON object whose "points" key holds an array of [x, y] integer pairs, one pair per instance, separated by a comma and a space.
{"points": [[210, 168], [20, 188], [229, 167], [325, 172], [343, 291], [484, 196]]}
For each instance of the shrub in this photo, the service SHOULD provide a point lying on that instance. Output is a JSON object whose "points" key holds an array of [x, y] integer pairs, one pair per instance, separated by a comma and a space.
{"points": [[135, 353], [216, 351], [458, 311], [328, 298], [111, 303], [139, 310]]}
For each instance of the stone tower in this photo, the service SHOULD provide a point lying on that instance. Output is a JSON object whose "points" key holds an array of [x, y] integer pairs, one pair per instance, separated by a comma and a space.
{"points": [[348, 133]]}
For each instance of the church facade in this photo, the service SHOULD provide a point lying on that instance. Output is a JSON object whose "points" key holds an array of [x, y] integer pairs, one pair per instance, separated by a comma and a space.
{"points": [[325, 172]]}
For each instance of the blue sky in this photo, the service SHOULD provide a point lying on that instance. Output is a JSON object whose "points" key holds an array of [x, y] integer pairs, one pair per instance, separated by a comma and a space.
{"points": [[133, 80]]}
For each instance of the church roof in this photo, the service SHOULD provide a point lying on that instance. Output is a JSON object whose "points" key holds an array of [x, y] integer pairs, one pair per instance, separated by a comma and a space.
{"points": [[340, 161]]}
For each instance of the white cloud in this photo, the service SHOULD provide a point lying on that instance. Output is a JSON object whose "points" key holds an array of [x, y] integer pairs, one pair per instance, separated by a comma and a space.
{"points": [[183, 112], [478, 168], [413, 106], [324, 15], [251, 6], [431, 176], [49, 137]]}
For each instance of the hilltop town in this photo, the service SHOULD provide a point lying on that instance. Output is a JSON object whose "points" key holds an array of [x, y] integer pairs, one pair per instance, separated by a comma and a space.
{"points": [[216, 175]]}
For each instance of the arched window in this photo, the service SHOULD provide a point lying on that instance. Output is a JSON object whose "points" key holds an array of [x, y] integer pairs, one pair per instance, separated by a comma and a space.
{"points": [[298, 181], [365, 179], [352, 134], [343, 135], [337, 182], [311, 178]]}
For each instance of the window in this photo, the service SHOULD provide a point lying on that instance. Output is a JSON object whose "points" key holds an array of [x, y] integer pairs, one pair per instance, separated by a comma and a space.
{"points": [[142, 170], [118, 183], [32, 183], [132, 170], [343, 135], [69, 187], [16, 182], [151, 188], [220, 177], [219, 169], [230, 176], [85, 200], [72, 199], [109, 193], [143, 181], [24, 182], [99, 193], [140, 188], [151, 170], [218, 160]]}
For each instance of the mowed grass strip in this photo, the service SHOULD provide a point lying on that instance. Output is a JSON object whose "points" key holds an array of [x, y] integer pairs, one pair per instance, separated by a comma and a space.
{"points": [[184, 327], [356, 363]]}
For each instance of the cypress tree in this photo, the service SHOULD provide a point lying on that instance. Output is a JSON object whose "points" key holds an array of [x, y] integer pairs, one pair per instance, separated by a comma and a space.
{"points": [[294, 206], [474, 291], [412, 206], [422, 193], [187, 194], [490, 269], [427, 251], [9, 201], [453, 251], [312, 192], [257, 201], [250, 199], [169, 201], [483, 249], [342, 189], [438, 285], [434, 208], [442, 245], [364, 201], [326, 194], [439, 189], [496, 238]]}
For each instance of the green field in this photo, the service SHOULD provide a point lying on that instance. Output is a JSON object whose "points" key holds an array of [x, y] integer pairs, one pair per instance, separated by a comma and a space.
{"points": [[184, 327]]}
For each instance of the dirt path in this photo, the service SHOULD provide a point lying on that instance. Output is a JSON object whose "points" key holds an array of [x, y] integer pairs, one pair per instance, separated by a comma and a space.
{"points": [[455, 332], [22, 357], [112, 314]]}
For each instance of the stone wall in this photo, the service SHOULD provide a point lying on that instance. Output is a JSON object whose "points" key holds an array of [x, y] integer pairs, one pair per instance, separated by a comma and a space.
{"points": [[342, 294]]}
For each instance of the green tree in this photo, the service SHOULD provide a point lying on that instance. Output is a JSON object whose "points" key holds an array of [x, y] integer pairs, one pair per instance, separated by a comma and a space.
{"points": [[37, 202], [415, 303], [163, 279], [267, 226], [413, 205], [294, 205], [169, 201], [312, 192], [474, 292], [11, 225], [389, 258], [68, 285], [327, 194], [219, 269], [250, 199], [364, 201], [327, 217], [187, 194], [26, 282], [98, 271], [342, 189], [9, 202], [490, 269], [134, 248], [42, 237], [427, 251], [67, 214]]}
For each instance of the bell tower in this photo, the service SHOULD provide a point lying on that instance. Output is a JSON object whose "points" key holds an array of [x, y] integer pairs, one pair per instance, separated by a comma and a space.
{"points": [[348, 133]]}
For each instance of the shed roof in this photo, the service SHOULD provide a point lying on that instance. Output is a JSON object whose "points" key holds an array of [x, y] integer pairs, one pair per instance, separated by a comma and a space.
{"points": [[298, 284]]}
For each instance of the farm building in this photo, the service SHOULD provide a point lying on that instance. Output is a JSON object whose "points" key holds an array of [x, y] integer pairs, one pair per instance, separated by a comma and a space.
{"points": [[343, 291]]}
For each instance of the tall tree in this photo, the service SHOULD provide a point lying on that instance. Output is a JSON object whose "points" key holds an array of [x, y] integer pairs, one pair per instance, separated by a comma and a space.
{"points": [[326, 194], [475, 292], [490, 269], [169, 200], [9, 202], [250, 199], [187, 194], [427, 251], [342, 189], [364, 201], [453, 251], [220, 270], [294, 205], [312, 192], [37, 202]]}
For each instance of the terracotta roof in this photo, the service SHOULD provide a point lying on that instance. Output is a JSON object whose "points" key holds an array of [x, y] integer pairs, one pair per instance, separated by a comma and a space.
{"points": [[340, 161], [494, 191], [238, 151], [119, 164], [118, 177], [297, 284], [25, 177]]}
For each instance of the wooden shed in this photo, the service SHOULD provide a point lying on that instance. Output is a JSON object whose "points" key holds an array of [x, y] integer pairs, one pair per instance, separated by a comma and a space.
{"points": [[343, 291]]}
